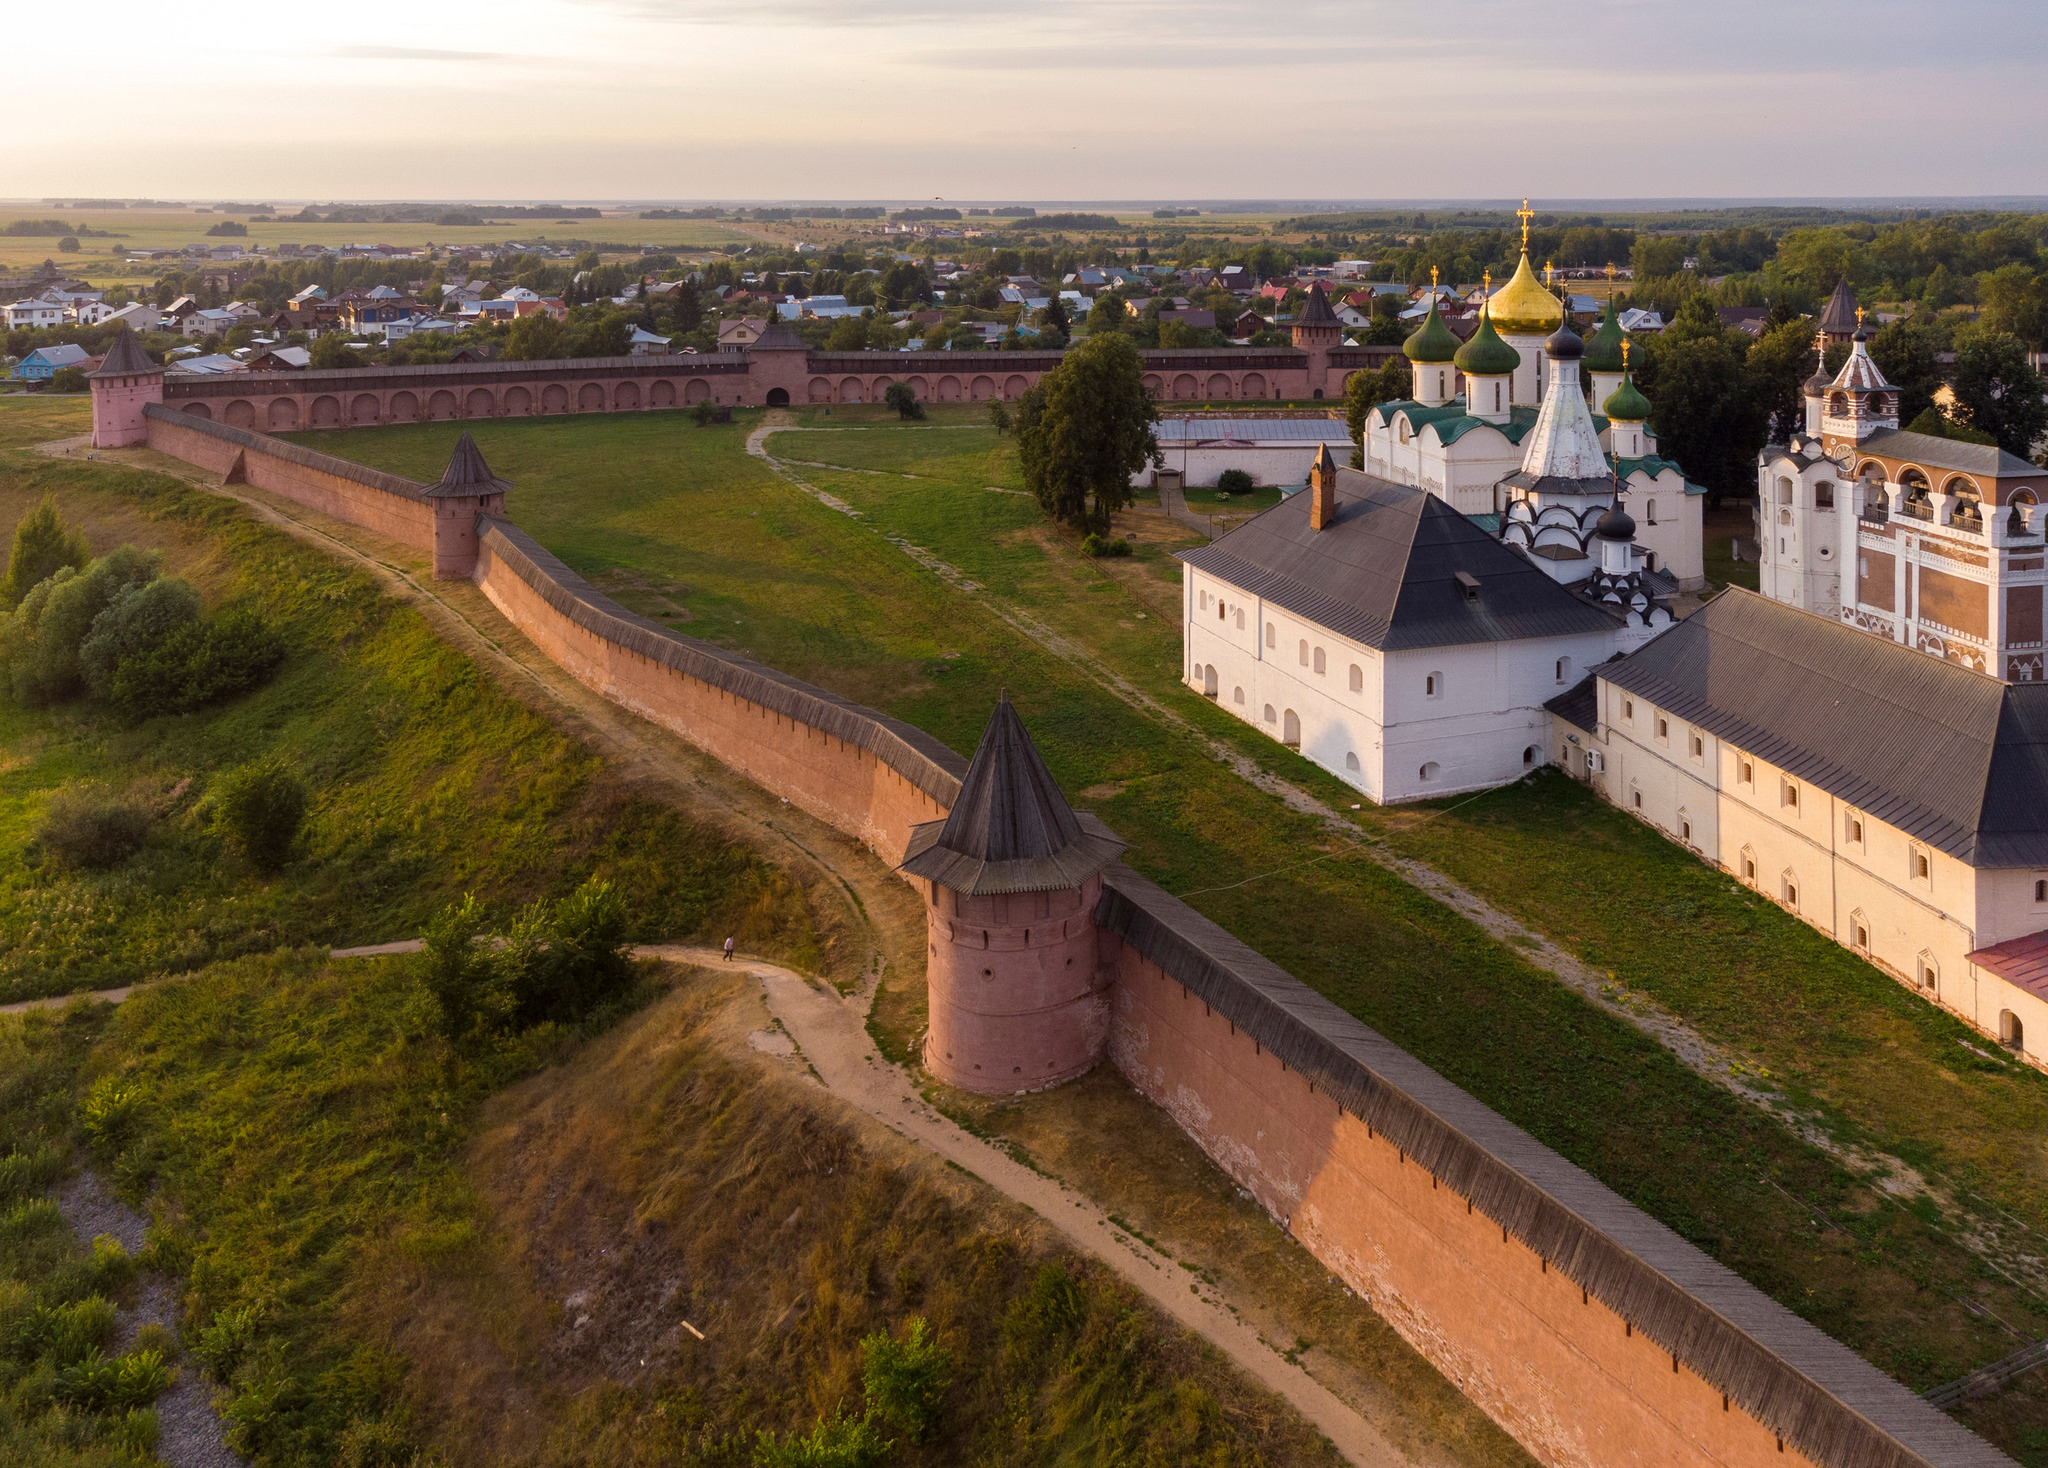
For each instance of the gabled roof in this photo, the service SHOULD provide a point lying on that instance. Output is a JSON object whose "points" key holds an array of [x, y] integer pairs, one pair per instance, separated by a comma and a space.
{"points": [[1838, 317], [1948, 756], [1385, 573], [1946, 453], [467, 474], [64, 354], [1011, 830], [125, 357]]}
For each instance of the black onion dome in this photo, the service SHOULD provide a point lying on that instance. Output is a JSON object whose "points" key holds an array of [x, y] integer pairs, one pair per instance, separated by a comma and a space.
{"points": [[1616, 524], [1564, 345]]}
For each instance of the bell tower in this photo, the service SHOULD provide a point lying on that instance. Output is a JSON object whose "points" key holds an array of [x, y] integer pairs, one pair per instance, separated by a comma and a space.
{"points": [[1859, 401]]}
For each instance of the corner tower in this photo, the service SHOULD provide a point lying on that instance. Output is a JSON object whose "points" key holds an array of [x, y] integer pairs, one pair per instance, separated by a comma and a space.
{"points": [[1012, 876], [467, 489], [125, 383], [1317, 332]]}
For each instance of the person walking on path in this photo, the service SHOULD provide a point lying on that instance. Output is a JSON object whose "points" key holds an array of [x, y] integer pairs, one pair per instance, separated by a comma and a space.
{"points": [[728, 950]]}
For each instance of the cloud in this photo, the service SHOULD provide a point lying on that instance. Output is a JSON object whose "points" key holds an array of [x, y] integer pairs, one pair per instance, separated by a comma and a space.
{"points": [[412, 53]]}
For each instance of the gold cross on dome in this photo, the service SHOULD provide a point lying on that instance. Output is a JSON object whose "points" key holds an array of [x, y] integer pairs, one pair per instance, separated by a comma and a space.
{"points": [[1432, 277], [1610, 272], [1624, 356], [1859, 318], [1525, 214]]}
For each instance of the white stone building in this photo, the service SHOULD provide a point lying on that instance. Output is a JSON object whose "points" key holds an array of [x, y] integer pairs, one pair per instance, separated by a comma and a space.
{"points": [[1896, 802]]}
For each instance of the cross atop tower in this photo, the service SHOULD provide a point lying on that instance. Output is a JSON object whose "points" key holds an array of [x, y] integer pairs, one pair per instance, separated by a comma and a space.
{"points": [[1432, 276], [1525, 214]]}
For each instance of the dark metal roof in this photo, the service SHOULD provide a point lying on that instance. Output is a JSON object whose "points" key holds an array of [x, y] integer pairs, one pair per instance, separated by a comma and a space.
{"points": [[1315, 311], [1579, 705], [1948, 756], [1987, 459], [125, 358], [1838, 317], [778, 336], [1011, 830], [467, 475], [1385, 573], [1822, 1398]]}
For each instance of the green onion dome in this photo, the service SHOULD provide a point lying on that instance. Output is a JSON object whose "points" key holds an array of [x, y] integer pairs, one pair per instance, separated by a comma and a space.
{"points": [[1486, 355], [1603, 348], [1433, 342], [1626, 404]]}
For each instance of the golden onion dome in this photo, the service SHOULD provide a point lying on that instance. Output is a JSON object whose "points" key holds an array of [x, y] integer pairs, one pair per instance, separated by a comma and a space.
{"points": [[1523, 307]]}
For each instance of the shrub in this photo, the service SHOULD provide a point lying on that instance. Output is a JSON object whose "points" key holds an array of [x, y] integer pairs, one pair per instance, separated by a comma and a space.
{"points": [[24, 1174], [258, 810], [93, 828], [461, 973], [560, 961], [999, 416], [31, 1218], [42, 544], [110, 1112], [222, 1343], [704, 414], [903, 398], [55, 617], [837, 1441], [195, 664], [1234, 481], [1104, 545], [141, 616], [905, 1381], [64, 1334], [67, 379], [98, 1384]]}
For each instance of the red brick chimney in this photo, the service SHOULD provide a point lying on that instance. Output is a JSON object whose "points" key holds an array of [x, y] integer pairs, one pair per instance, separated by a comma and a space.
{"points": [[1322, 490]]}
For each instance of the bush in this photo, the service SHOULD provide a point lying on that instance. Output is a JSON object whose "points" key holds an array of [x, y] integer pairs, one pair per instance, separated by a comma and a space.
{"points": [[91, 827], [195, 664], [64, 1334], [139, 617], [837, 1441], [903, 399], [1234, 481], [905, 1381], [97, 1384], [67, 379], [41, 640], [24, 1174], [704, 414], [999, 416], [42, 545], [461, 972], [222, 1343], [258, 810], [1104, 545], [560, 961], [111, 1110]]}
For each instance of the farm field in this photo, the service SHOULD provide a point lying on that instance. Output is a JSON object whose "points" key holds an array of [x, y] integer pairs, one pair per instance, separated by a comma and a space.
{"points": [[682, 524]]}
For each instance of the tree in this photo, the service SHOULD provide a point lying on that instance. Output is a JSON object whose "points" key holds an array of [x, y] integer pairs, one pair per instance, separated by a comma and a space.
{"points": [[1054, 322], [1998, 393], [67, 379], [258, 809], [849, 334], [535, 338], [68, 245], [1364, 391], [1109, 313], [902, 285], [1937, 424], [1085, 429], [999, 416], [330, 351], [1777, 368], [905, 1381], [1905, 354], [42, 543], [2014, 302], [903, 398], [1707, 417]]}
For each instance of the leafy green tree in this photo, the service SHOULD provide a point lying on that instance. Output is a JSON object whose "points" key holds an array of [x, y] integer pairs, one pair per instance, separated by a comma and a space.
{"points": [[2013, 301], [849, 334], [329, 351], [1657, 256], [459, 972], [1234, 481], [903, 398], [1364, 391], [535, 338], [1777, 367], [563, 959], [68, 245], [42, 543], [42, 639], [1707, 414], [1109, 313], [902, 285], [999, 416], [1998, 393], [1055, 326], [140, 616], [1905, 353], [1937, 424], [1085, 429]]}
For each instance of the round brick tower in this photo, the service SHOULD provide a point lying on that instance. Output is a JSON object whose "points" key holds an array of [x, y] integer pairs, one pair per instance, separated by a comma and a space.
{"points": [[125, 383], [466, 489], [1011, 878]]}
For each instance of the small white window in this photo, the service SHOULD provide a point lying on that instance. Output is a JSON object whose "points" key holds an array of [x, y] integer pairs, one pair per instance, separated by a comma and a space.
{"points": [[1237, 695], [1928, 972], [1745, 772], [1650, 511], [1319, 662], [1240, 619], [1663, 728], [1304, 652], [1788, 888], [1699, 745], [1271, 639], [1923, 866], [2010, 1032], [1564, 669], [1788, 795], [1357, 679], [1350, 759], [1271, 717], [1433, 686], [1635, 796], [1205, 601], [1684, 826], [1628, 709], [1859, 932], [1748, 865]]}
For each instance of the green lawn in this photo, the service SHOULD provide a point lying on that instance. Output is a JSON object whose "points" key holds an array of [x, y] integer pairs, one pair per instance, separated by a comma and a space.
{"points": [[650, 501]]}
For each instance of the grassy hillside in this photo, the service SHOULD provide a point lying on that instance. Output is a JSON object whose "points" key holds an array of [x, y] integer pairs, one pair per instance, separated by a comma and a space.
{"points": [[429, 780], [679, 522]]}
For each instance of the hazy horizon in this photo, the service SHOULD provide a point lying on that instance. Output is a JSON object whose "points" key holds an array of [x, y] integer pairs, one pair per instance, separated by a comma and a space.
{"points": [[855, 100]]}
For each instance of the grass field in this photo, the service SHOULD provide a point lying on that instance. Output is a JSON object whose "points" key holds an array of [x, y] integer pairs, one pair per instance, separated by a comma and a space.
{"points": [[680, 518]]}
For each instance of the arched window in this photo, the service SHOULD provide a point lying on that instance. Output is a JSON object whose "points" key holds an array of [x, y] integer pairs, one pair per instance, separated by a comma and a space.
{"points": [[1272, 639], [1357, 679], [1221, 610], [1528, 756], [1319, 662], [1838, 405], [1748, 865], [1430, 771], [1824, 495], [1928, 972], [1290, 729], [2011, 1033], [1351, 759], [1271, 717], [2041, 891], [1433, 686], [1564, 670], [1784, 490], [1684, 825], [1304, 652], [1240, 619], [1635, 796], [1965, 505], [1404, 428], [1209, 681], [1650, 510], [1918, 492], [1788, 888], [1237, 697], [1205, 601], [1859, 932]]}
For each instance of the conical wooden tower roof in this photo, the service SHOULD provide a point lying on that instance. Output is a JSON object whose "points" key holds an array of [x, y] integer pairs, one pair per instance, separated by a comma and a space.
{"points": [[125, 358], [1011, 830], [467, 475]]}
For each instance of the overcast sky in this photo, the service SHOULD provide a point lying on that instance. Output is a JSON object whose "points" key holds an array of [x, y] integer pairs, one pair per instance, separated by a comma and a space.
{"points": [[1028, 99]]}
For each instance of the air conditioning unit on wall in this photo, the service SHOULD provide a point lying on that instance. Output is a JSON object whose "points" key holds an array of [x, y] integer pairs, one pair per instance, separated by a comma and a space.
{"points": [[1596, 762]]}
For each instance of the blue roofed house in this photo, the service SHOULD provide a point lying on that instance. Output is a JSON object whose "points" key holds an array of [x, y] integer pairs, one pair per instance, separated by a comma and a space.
{"points": [[45, 362]]}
